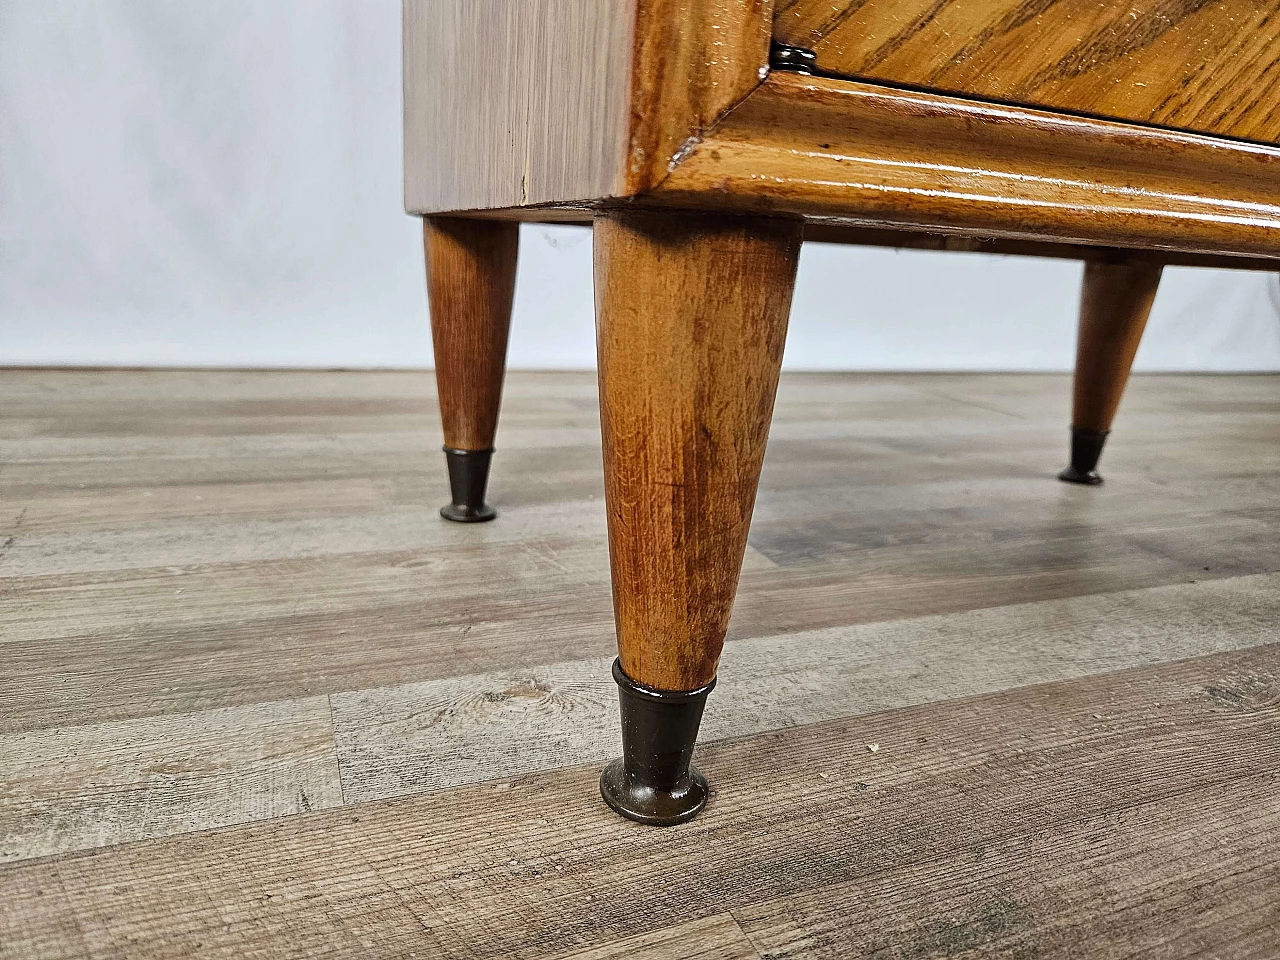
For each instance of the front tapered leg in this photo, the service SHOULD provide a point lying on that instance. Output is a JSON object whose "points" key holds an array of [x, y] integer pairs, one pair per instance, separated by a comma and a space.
{"points": [[471, 274], [1115, 302], [691, 314]]}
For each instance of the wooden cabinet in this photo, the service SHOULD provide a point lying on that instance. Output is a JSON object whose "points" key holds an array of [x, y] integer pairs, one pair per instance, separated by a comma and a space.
{"points": [[1128, 133]]}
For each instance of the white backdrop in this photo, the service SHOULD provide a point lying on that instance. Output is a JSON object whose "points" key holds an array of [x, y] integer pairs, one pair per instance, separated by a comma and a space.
{"points": [[218, 183]]}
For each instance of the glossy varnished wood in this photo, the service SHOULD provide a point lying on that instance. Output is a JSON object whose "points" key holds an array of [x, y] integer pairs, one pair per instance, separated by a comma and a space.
{"points": [[691, 306], [1188, 64], [471, 276], [551, 110], [820, 147], [1115, 302], [691, 315], [691, 61], [826, 231]]}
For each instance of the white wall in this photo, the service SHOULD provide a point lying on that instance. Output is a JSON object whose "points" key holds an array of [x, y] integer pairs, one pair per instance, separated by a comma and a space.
{"points": [[218, 183]]}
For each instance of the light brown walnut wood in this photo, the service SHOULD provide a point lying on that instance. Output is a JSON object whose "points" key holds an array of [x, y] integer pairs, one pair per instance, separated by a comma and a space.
{"points": [[1205, 65], [691, 315], [823, 231], [692, 60], [471, 277], [1115, 302], [549, 110], [819, 147]]}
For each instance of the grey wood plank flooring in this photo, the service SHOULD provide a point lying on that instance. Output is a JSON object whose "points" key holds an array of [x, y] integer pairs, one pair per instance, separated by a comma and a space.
{"points": [[256, 699], [1179, 761]]}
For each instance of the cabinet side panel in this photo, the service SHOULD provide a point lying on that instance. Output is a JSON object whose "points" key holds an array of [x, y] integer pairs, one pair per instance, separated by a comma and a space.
{"points": [[509, 103]]}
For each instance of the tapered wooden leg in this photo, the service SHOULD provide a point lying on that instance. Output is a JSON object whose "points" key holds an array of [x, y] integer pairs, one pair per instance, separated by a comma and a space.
{"points": [[1115, 302], [691, 314], [471, 275]]}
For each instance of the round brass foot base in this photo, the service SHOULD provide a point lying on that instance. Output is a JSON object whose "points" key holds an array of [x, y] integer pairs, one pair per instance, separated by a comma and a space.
{"points": [[645, 804], [655, 782], [468, 477], [462, 513], [1089, 478], [1086, 449]]}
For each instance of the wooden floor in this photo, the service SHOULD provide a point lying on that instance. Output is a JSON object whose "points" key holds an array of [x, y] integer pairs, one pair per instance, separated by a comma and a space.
{"points": [[258, 700]]}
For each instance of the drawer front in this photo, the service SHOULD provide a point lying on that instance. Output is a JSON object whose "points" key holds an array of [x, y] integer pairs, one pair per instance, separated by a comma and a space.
{"points": [[1211, 66]]}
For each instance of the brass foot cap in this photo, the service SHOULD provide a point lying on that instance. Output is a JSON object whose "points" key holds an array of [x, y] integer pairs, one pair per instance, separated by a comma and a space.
{"points": [[462, 513], [1086, 449], [645, 804], [468, 477], [655, 782], [1089, 478]]}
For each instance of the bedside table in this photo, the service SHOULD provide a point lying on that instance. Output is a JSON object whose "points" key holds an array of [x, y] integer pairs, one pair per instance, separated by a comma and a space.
{"points": [[705, 139]]}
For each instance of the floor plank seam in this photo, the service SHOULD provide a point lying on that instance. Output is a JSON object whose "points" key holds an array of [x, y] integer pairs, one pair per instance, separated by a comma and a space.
{"points": [[337, 756], [943, 395], [1270, 709], [756, 946], [511, 707]]}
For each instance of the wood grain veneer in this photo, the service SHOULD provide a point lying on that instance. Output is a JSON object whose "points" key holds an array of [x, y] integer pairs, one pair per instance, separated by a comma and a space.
{"points": [[519, 103], [819, 147], [514, 102], [1205, 65], [547, 110], [824, 231]]}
